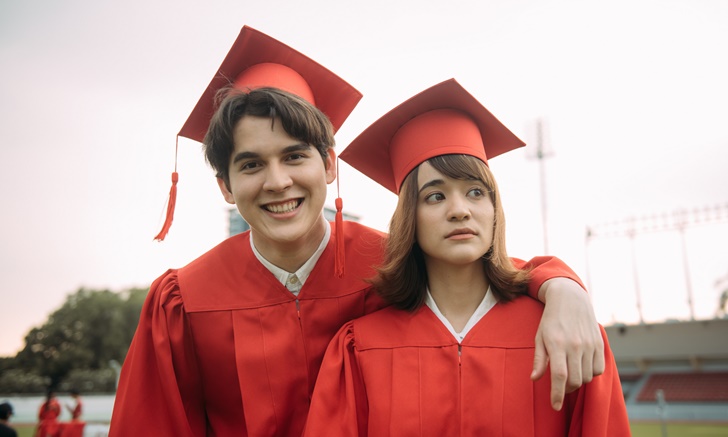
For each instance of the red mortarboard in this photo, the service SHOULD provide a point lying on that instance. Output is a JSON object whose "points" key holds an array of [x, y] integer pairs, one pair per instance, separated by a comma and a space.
{"points": [[257, 60], [444, 119]]}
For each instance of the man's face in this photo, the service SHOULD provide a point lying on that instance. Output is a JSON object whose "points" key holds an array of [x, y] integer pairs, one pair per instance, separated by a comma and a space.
{"points": [[278, 184]]}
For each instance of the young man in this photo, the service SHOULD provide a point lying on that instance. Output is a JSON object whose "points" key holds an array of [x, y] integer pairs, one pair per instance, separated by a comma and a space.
{"points": [[231, 344]]}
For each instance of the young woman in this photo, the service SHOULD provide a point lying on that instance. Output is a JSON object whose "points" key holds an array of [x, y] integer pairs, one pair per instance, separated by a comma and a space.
{"points": [[452, 354], [48, 416]]}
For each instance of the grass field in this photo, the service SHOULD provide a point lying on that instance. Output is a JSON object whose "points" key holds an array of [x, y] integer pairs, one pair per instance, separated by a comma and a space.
{"points": [[24, 430], [679, 430], [638, 430]]}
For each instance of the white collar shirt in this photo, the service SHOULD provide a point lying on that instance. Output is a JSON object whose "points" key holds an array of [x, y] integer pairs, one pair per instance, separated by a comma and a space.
{"points": [[294, 281]]}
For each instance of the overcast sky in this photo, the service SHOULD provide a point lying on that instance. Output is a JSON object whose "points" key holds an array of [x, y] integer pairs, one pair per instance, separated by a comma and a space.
{"points": [[634, 94]]}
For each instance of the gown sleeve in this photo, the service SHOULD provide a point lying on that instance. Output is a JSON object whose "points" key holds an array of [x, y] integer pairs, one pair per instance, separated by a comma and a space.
{"points": [[598, 408], [339, 402], [544, 268], [159, 391]]}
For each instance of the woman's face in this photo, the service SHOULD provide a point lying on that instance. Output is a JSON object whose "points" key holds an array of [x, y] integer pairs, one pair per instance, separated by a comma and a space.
{"points": [[454, 217]]}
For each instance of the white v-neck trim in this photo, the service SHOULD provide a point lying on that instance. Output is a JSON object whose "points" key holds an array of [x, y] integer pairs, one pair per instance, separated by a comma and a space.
{"points": [[486, 304]]}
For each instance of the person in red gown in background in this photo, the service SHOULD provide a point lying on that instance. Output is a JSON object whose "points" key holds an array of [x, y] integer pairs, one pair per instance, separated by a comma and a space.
{"points": [[75, 427], [231, 344], [77, 409], [453, 353], [48, 416]]}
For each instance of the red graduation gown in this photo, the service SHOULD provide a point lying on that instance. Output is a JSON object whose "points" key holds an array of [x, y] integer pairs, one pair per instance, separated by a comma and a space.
{"points": [[77, 410], [394, 373], [48, 419], [223, 349]]}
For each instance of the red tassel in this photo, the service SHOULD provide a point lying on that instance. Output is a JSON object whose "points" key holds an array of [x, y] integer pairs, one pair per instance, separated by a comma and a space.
{"points": [[339, 223], [170, 208]]}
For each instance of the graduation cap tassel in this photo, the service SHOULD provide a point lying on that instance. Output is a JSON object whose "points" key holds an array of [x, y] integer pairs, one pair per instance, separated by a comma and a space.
{"points": [[171, 202], [339, 256], [170, 208], [339, 260]]}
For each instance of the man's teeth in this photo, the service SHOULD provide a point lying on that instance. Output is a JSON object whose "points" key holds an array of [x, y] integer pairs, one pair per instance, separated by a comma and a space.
{"points": [[282, 207]]}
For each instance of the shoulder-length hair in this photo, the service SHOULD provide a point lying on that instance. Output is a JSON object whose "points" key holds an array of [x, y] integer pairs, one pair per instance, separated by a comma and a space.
{"points": [[402, 279], [300, 119]]}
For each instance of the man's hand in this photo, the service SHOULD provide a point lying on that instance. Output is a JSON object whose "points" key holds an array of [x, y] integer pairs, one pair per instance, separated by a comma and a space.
{"points": [[568, 337]]}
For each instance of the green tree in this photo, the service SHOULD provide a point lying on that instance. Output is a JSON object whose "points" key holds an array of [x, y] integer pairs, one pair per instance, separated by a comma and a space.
{"points": [[91, 328]]}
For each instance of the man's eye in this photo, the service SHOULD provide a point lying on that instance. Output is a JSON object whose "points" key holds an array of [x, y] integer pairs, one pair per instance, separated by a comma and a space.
{"points": [[251, 165], [296, 156]]}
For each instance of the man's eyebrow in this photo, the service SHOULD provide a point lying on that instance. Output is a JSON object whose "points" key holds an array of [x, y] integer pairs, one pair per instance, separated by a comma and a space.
{"points": [[432, 183], [252, 155], [297, 148], [244, 155]]}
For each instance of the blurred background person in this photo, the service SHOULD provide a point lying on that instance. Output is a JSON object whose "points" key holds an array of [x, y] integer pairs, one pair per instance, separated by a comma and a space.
{"points": [[76, 409], [48, 416], [6, 410]]}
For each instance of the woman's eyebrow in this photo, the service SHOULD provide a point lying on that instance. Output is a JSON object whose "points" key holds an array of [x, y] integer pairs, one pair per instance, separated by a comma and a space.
{"points": [[431, 183]]}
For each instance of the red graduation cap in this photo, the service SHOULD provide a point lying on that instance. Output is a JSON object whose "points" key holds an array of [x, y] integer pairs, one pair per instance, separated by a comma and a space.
{"points": [[257, 60], [444, 119]]}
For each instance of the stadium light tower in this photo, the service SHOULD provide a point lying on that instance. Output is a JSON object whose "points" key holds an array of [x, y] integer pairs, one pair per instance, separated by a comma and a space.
{"points": [[680, 220], [542, 152]]}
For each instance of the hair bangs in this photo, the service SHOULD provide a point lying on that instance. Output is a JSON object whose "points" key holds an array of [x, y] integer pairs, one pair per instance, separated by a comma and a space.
{"points": [[462, 167]]}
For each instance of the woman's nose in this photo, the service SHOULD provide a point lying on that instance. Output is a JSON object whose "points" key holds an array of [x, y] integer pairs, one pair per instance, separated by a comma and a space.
{"points": [[458, 210]]}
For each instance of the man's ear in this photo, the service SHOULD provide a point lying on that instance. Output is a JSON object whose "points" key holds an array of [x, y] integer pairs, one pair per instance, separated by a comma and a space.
{"points": [[226, 193], [330, 163]]}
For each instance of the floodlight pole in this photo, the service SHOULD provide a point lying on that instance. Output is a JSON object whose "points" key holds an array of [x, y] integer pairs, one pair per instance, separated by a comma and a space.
{"points": [[541, 156], [681, 222], [635, 275]]}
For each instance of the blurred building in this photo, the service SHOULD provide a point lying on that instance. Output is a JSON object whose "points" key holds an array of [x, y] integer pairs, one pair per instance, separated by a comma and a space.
{"points": [[675, 369]]}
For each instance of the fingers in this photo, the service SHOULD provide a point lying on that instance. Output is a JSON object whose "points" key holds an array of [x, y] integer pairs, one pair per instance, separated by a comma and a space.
{"points": [[576, 370], [599, 363], [559, 374], [585, 360], [587, 369], [540, 359]]}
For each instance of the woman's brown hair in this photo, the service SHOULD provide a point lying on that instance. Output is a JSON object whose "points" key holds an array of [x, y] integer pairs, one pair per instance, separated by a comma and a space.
{"points": [[402, 279]]}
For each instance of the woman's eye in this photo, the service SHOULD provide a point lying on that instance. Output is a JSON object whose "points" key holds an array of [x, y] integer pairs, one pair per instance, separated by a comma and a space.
{"points": [[434, 197], [476, 192]]}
